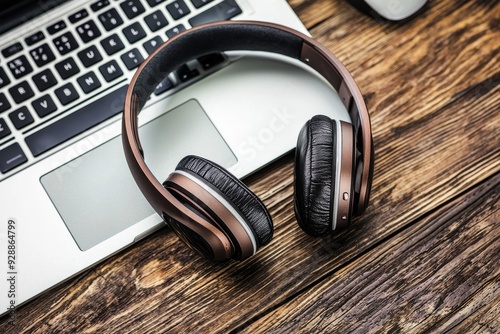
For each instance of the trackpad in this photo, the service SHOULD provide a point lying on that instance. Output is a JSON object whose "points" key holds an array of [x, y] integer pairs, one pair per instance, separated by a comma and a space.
{"points": [[96, 195]]}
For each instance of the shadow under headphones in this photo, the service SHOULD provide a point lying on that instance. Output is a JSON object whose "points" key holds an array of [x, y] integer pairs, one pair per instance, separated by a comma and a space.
{"points": [[209, 208]]}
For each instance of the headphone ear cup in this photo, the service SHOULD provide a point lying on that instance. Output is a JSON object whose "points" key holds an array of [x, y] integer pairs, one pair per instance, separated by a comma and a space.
{"points": [[314, 175], [246, 203]]}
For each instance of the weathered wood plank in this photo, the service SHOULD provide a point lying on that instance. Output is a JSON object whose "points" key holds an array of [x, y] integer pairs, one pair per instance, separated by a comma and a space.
{"points": [[436, 129], [409, 68], [440, 274], [313, 12]]}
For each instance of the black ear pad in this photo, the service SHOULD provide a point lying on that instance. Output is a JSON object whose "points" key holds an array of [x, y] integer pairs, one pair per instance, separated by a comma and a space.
{"points": [[244, 201], [314, 179]]}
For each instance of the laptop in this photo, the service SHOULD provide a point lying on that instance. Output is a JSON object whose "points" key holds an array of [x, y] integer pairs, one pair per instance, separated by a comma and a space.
{"points": [[67, 198]]}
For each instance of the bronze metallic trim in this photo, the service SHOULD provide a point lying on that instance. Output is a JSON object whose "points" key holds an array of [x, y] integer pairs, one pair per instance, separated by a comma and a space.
{"points": [[325, 63], [218, 251], [346, 194], [164, 203], [224, 215]]}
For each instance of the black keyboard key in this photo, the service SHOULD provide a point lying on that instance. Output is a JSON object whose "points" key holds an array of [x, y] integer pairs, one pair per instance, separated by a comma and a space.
{"points": [[132, 59], [156, 20], [35, 38], [132, 8], [110, 71], [21, 92], [12, 49], [175, 30], [200, 3], [81, 14], [44, 80], [98, 5], [89, 82], [4, 103], [220, 12], [56, 27], [4, 129], [90, 56], [44, 106], [19, 67], [211, 60], [152, 44], [21, 118], [11, 157], [77, 122], [134, 32], [112, 44], [110, 19], [153, 3], [65, 43], [163, 86], [178, 9], [67, 68], [185, 73], [88, 31], [42, 55], [67, 94], [4, 79]]}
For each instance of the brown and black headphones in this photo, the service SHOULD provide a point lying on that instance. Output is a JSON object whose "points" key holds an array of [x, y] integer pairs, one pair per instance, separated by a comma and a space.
{"points": [[209, 208]]}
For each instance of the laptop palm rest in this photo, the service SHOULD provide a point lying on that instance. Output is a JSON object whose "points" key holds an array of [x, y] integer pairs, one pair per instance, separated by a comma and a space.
{"points": [[96, 195]]}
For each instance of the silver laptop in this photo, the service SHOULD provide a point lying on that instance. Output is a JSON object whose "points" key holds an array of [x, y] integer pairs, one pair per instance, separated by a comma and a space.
{"points": [[67, 199]]}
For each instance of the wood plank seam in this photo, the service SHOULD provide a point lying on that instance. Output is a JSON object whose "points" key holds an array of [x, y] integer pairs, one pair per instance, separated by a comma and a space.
{"points": [[385, 240], [471, 201]]}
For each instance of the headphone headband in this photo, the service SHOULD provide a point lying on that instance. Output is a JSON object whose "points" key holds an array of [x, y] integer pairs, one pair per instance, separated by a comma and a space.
{"points": [[233, 36]]}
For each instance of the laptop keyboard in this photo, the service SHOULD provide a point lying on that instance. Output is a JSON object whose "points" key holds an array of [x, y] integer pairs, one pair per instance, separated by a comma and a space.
{"points": [[71, 75]]}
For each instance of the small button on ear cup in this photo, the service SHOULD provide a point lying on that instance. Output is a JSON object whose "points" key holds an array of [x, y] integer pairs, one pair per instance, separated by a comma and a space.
{"points": [[314, 175], [243, 200]]}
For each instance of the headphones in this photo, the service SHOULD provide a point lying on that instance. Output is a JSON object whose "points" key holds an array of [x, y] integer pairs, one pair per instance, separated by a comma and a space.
{"points": [[212, 210]]}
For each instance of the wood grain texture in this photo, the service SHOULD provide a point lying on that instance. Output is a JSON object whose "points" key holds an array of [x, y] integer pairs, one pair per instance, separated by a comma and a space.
{"points": [[439, 275], [313, 12], [431, 86]]}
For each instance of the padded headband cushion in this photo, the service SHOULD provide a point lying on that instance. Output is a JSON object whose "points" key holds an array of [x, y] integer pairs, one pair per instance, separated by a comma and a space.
{"points": [[314, 180], [243, 200], [211, 39]]}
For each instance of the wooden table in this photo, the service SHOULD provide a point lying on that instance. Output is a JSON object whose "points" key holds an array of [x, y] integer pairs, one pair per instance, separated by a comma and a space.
{"points": [[424, 257]]}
